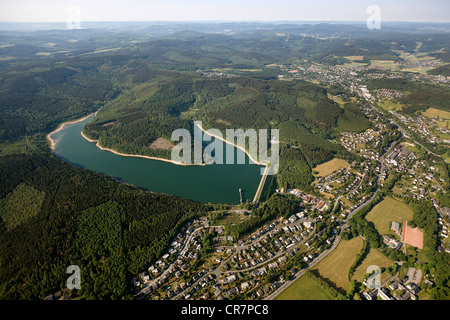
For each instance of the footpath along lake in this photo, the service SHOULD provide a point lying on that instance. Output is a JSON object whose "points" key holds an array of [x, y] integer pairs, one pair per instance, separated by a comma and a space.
{"points": [[211, 183]]}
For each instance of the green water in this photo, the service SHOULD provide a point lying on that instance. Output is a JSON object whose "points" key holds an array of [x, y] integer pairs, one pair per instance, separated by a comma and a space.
{"points": [[212, 183]]}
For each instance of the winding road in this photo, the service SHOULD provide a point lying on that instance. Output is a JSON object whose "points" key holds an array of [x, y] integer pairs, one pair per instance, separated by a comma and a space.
{"points": [[338, 237]]}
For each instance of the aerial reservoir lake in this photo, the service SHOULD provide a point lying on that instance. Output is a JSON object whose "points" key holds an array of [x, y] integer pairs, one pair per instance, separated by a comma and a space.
{"points": [[215, 183]]}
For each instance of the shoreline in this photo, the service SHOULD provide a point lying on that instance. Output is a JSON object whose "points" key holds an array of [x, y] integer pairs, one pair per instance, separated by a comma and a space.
{"points": [[61, 126], [65, 124], [236, 146], [137, 155]]}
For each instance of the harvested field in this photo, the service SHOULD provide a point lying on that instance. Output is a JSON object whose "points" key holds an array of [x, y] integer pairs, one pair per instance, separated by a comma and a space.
{"points": [[329, 167]]}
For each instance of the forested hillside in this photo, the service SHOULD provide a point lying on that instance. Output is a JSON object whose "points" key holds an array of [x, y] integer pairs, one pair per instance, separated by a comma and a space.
{"points": [[73, 216], [147, 81], [301, 111]]}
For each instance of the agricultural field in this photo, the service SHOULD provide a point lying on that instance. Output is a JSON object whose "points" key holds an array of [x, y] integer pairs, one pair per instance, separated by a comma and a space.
{"points": [[421, 70], [446, 156], [420, 57], [229, 218], [442, 136], [373, 258], [354, 58], [354, 65], [360, 146], [304, 288], [389, 105], [329, 167], [387, 64], [397, 190], [327, 195], [347, 202], [431, 113], [356, 61], [387, 211], [411, 147], [336, 265]]}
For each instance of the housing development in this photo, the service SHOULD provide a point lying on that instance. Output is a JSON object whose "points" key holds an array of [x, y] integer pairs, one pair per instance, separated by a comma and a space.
{"points": [[206, 262], [223, 165]]}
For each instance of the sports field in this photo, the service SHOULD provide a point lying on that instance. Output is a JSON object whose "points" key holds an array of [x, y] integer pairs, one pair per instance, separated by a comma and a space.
{"points": [[335, 266], [329, 167], [387, 211], [304, 289], [412, 236]]}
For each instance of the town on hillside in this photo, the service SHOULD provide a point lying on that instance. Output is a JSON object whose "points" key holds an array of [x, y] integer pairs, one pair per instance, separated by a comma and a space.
{"points": [[390, 169]]}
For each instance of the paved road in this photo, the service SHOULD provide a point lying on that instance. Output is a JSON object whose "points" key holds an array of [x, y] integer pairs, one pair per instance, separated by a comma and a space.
{"points": [[406, 133], [344, 225], [338, 237], [261, 185], [184, 248], [385, 282], [218, 269], [277, 255], [322, 255]]}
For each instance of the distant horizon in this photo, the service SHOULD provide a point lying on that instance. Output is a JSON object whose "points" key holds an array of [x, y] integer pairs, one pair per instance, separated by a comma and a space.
{"points": [[232, 25], [220, 25], [229, 21], [31, 11]]}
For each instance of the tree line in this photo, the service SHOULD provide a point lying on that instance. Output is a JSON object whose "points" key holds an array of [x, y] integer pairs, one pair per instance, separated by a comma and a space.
{"points": [[111, 231]]}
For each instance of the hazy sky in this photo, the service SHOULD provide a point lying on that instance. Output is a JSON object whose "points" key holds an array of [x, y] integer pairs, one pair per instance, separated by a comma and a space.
{"points": [[224, 10]]}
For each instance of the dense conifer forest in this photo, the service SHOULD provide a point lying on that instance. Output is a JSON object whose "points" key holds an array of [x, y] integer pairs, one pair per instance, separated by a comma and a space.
{"points": [[146, 83]]}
